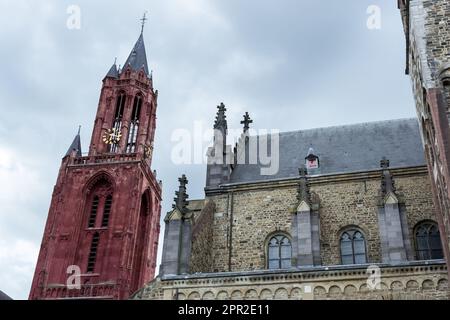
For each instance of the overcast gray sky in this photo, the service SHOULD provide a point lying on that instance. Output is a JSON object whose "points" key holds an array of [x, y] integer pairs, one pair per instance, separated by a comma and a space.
{"points": [[292, 64]]}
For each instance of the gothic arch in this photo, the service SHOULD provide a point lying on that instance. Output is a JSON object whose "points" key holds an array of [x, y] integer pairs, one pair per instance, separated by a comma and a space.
{"points": [[194, 296], [141, 246], [208, 296], [350, 290], [397, 286], [428, 284], [281, 294], [296, 293], [319, 291], [222, 295], [425, 248], [98, 178], [442, 285], [269, 237], [236, 295], [251, 295], [265, 294], [364, 288], [98, 199], [334, 291], [148, 198], [412, 285], [352, 233]]}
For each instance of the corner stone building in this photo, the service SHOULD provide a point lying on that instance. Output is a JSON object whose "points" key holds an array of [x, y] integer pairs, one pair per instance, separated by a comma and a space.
{"points": [[426, 24], [348, 215]]}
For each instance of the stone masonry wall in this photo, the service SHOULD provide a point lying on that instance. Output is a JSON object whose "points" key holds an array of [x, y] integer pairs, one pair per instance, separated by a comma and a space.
{"points": [[428, 43], [202, 236], [418, 281], [259, 213]]}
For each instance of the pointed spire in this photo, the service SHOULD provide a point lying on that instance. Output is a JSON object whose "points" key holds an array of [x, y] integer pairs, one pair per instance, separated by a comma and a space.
{"points": [[113, 71], [387, 182], [181, 202], [138, 57], [303, 187], [76, 145], [221, 118]]}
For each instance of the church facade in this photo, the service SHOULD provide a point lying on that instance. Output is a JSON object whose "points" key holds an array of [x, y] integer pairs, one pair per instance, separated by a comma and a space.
{"points": [[348, 215], [352, 212]]}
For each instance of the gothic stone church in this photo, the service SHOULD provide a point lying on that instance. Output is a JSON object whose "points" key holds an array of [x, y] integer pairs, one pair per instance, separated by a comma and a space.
{"points": [[348, 215], [345, 199]]}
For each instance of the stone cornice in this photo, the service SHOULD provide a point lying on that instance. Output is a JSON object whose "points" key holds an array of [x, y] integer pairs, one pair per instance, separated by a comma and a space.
{"points": [[316, 180], [309, 272], [103, 161]]}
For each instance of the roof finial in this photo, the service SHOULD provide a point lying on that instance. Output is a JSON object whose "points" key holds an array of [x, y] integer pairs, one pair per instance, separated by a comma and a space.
{"points": [[144, 18], [246, 122]]}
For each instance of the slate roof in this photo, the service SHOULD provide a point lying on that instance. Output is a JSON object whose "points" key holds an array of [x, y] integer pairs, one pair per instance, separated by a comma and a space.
{"points": [[4, 296], [343, 149], [76, 145], [113, 72], [138, 58]]}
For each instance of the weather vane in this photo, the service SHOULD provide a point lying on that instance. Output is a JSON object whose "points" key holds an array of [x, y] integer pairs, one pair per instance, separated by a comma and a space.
{"points": [[144, 18]]}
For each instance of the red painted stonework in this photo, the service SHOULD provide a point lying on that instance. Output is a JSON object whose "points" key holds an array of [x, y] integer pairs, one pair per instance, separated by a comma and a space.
{"points": [[127, 247]]}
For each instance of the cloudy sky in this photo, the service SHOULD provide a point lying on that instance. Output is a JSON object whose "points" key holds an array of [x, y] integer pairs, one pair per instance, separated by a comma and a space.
{"points": [[293, 64]]}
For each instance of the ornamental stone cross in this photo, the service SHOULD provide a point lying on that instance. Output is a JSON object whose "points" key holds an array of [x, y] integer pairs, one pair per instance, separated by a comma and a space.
{"points": [[246, 122]]}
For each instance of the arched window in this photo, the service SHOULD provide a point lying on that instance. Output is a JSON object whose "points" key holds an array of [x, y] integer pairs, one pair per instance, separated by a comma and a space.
{"points": [[99, 200], [279, 252], [353, 247], [134, 125], [93, 253], [117, 124], [428, 241], [106, 211], [141, 248], [93, 213]]}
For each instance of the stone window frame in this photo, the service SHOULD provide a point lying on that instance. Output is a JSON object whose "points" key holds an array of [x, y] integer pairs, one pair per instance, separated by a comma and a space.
{"points": [[353, 228], [134, 123], [106, 183], [266, 246], [415, 229], [118, 116]]}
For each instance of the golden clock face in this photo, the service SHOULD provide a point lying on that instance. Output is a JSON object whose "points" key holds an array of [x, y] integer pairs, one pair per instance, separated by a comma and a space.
{"points": [[112, 136]]}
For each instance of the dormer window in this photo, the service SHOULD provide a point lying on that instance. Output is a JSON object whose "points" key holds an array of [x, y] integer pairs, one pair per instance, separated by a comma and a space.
{"points": [[311, 160]]}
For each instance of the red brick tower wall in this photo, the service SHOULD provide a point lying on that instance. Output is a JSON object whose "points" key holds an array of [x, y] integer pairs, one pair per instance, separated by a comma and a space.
{"points": [[105, 208]]}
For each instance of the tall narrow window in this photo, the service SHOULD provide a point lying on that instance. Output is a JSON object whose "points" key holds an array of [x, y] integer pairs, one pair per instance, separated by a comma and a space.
{"points": [[279, 252], [117, 124], [107, 211], [134, 125], [93, 253], [428, 241], [93, 212], [353, 247]]}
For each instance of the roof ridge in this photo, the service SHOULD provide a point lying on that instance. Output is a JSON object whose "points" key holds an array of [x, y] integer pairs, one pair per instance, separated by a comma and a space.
{"points": [[359, 124]]}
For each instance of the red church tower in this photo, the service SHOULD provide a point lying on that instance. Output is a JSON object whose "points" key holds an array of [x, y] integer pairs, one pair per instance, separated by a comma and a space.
{"points": [[104, 215]]}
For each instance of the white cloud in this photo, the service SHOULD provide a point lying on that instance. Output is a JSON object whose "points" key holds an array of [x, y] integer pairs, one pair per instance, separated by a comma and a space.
{"points": [[17, 262]]}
